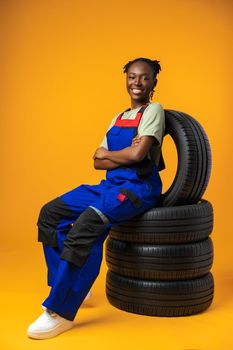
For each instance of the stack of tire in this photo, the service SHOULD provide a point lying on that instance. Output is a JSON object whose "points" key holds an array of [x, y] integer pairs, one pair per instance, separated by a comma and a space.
{"points": [[159, 262]]}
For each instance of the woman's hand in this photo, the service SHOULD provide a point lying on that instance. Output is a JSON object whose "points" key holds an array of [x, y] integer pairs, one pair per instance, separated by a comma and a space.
{"points": [[136, 140], [100, 153]]}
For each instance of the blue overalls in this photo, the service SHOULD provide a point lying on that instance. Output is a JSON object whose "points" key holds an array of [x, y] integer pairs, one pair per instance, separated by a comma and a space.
{"points": [[73, 254]]}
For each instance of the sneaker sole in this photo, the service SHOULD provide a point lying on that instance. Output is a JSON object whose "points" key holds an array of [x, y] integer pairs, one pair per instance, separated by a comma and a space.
{"points": [[52, 333]]}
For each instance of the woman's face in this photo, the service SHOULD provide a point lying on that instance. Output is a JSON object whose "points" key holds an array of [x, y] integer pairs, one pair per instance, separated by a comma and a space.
{"points": [[140, 82]]}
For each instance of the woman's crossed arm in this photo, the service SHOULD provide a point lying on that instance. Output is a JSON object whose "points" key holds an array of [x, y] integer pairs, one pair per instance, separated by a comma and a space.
{"points": [[105, 159]]}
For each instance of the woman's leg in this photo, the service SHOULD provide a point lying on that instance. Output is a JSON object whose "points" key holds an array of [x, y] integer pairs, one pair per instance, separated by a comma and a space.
{"points": [[81, 257], [56, 219], [72, 283], [54, 223]]}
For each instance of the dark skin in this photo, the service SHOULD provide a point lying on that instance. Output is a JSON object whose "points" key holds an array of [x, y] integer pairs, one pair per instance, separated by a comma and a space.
{"points": [[139, 76]]}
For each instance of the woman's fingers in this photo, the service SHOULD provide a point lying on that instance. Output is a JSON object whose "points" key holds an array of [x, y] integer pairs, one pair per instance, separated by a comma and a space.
{"points": [[136, 140]]}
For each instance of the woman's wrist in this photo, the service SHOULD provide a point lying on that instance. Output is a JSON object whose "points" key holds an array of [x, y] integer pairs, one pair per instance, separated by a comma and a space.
{"points": [[105, 164]]}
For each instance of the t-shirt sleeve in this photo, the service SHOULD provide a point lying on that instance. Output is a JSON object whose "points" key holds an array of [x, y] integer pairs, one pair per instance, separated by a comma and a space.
{"points": [[153, 122], [104, 142]]}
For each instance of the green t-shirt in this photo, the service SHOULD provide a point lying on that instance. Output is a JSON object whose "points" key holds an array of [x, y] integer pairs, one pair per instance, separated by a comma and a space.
{"points": [[152, 123]]}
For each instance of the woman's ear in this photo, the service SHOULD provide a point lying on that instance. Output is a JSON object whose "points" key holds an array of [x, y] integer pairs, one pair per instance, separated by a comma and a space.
{"points": [[155, 83]]}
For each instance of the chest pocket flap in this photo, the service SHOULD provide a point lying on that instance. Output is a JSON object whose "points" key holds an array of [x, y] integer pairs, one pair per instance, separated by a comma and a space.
{"points": [[114, 130]]}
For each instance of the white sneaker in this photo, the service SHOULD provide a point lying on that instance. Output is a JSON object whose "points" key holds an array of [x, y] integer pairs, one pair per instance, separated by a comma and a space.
{"points": [[48, 325]]}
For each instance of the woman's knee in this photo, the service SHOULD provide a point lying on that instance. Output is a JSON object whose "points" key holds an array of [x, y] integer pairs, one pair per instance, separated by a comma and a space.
{"points": [[44, 212], [87, 229], [53, 211], [50, 216]]}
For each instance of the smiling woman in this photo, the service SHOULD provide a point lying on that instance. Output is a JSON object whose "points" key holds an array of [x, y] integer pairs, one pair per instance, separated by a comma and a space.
{"points": [[140, 83], [131, 154]]}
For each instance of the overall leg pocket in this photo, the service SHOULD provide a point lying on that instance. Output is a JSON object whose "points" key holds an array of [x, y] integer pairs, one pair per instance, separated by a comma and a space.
{"points": [[120, 204], [135, 200]]}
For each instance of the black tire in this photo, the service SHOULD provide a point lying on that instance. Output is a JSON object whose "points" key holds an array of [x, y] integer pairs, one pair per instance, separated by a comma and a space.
{"points": [[160, 298], [162, 225], [194, 159], [159, 262]]}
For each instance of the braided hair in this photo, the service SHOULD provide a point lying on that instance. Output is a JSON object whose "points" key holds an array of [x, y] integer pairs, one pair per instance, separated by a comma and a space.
{"points": [[153, 64]]}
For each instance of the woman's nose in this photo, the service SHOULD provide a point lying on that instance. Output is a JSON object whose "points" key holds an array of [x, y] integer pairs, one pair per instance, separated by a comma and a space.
{"points": [[137, 81]]}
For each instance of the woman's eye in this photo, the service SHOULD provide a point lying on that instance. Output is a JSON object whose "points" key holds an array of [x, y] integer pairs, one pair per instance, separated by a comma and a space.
{"points": [[145, 78]]}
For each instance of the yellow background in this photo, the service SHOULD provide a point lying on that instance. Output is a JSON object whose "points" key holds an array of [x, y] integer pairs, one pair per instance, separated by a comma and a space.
{"points": [[62, 82]]}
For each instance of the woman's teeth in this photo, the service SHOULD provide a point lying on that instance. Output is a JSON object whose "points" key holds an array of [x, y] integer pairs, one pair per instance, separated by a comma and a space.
{"points": [[136, 91]]}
